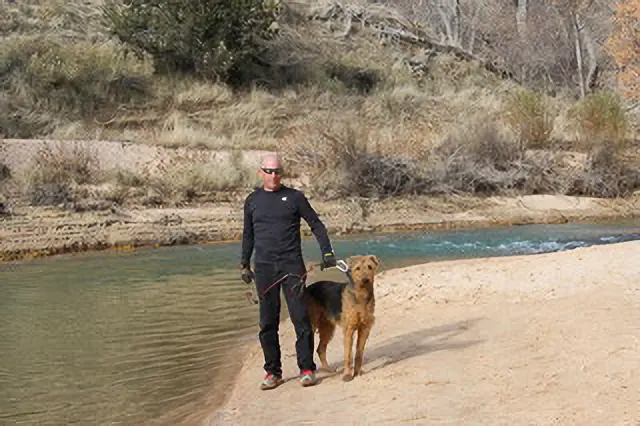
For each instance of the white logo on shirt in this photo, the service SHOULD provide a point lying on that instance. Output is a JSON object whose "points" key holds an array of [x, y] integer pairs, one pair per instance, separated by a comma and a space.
{"points": [[284, 198]]}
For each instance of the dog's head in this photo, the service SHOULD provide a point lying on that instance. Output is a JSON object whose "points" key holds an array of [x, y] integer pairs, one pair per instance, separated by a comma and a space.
{"points": [[364, 269]]}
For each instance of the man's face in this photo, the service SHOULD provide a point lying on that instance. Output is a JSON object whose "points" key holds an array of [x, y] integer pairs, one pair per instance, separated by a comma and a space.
{"points": [[271, 172]]}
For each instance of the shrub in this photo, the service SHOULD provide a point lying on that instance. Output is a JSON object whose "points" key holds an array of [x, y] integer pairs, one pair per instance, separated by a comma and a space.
{"points": [[58, 170], [478, 159], [210, 38], [5, 172], [529, 118], [600, 117], [341, 163], [607, 174]]}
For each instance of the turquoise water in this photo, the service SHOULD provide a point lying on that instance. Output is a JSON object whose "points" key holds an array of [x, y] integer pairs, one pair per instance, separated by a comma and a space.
{"points": [[154, 336]]}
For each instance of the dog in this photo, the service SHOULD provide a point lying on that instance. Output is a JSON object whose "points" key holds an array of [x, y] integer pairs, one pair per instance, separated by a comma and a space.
{"points": [[351, 305]]}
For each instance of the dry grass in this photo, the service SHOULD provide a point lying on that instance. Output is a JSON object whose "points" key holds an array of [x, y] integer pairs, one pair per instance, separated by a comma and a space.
{"points": [[71, 175], [192, 178], [349, 103]]}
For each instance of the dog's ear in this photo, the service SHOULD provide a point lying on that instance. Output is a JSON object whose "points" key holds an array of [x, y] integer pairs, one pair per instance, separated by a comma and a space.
{"points": [[376, 261]]}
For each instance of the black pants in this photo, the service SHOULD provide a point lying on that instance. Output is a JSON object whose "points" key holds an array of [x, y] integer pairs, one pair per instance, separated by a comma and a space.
{"points": [[266, 274]]}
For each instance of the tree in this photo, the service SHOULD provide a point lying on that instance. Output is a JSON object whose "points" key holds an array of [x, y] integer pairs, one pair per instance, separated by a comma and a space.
{"points": [[624, 46], [211, 38], [575, 12]]}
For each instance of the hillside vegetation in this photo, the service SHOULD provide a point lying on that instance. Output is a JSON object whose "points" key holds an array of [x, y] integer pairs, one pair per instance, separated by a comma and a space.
{"points": [[363, 98]]}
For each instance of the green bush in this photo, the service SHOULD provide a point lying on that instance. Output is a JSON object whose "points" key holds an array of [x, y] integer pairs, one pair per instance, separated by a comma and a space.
{"points": [[600, 117], [529, 118], [209, 38]]}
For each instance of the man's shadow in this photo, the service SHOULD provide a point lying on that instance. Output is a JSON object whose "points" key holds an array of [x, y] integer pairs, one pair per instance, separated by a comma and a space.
{"points": [[409, 345]]}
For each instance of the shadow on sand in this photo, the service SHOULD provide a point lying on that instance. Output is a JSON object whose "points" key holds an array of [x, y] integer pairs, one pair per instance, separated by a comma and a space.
{"points": [[417, 343], [409, 345]]}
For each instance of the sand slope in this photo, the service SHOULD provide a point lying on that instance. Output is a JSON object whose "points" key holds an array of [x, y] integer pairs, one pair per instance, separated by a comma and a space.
{"points": [[544, 339]]}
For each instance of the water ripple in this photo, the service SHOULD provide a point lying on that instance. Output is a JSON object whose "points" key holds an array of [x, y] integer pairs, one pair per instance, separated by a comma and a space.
{"points": [[154, 336]]}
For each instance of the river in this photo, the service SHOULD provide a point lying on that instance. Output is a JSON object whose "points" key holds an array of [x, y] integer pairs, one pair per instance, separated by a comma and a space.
{"points": [[155, 336]]}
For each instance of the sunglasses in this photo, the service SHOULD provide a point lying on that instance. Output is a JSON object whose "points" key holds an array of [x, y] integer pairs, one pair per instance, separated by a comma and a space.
{"points": [[272, 171]]}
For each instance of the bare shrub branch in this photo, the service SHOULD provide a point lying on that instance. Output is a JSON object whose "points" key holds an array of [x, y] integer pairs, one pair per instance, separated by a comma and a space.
{"points": [[607, 174], [58, 169]]}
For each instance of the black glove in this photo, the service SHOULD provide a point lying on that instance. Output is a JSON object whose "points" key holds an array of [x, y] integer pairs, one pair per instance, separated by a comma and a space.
{"points": [[247, 275], [328, 260]]}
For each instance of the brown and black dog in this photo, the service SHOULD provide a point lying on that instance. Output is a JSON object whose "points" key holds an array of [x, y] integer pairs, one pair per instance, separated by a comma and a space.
{"points": [[351, 305]]}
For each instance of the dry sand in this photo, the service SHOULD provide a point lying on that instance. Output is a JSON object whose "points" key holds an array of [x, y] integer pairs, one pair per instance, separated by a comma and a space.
{"points": [[542, 339]]}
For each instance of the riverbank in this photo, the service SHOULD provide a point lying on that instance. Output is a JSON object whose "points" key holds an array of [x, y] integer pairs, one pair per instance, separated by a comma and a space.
{"points": [[548, 338], [31, 232]]}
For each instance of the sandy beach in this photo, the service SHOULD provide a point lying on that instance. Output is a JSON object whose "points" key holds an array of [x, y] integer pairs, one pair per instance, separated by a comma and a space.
{"points": [[540, 339]]}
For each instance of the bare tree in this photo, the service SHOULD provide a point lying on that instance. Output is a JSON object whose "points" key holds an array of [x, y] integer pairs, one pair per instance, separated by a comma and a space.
{"points": [[546, 44]]}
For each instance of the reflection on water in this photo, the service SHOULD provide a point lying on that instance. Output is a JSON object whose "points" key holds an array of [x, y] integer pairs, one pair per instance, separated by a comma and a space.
{"points": [[118, 339], [152, 337]]}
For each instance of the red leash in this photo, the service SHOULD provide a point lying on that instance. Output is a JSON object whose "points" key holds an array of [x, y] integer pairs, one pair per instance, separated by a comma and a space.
{"points": [[275, 283], [341, 265], [252, 298]]}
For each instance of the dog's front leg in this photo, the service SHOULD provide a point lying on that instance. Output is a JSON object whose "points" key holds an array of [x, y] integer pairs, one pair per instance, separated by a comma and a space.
{"points": [[347, 375], [363, 335]]}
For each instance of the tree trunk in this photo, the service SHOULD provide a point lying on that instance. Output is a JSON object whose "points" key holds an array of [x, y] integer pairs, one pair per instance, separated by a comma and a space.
{"points": [[446, 21], [590, 46], [458, 19], [578, 45], [521, 18], [449, 11], [474, 22]]}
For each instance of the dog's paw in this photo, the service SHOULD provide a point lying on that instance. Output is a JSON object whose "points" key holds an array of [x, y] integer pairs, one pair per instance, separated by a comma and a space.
{"points": [[328, 369], [347, 378]]}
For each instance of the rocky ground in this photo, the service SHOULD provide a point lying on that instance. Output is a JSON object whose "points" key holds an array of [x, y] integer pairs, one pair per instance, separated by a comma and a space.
{"points": [[37, 231]]}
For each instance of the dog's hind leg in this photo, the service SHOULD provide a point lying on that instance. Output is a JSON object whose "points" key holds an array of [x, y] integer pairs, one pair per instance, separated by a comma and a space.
{"points": [[363, 335], [347, 374], [326, 330]]}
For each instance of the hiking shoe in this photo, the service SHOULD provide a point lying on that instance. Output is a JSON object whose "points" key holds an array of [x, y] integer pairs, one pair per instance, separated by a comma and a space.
{"points": [[271, 381], [308, 378]]}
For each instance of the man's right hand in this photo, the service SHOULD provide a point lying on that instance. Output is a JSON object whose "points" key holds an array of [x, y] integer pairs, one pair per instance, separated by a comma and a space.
{"points": [[328, 260], [247, 275]]}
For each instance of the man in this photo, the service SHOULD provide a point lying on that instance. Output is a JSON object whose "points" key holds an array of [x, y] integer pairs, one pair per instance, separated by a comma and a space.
{"points": [[272, 227]]}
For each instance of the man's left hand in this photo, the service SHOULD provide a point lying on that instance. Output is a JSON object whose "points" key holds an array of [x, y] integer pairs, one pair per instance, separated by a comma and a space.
{"points": [[328, 260]]}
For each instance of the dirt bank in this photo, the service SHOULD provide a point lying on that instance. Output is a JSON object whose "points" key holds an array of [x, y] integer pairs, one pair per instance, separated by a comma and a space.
{"points": [[543, 339], [38, 231], [110, 213]]}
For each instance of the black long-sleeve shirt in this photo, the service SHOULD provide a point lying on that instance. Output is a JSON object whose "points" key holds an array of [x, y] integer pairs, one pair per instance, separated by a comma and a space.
{"points": [[272, 225]]}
